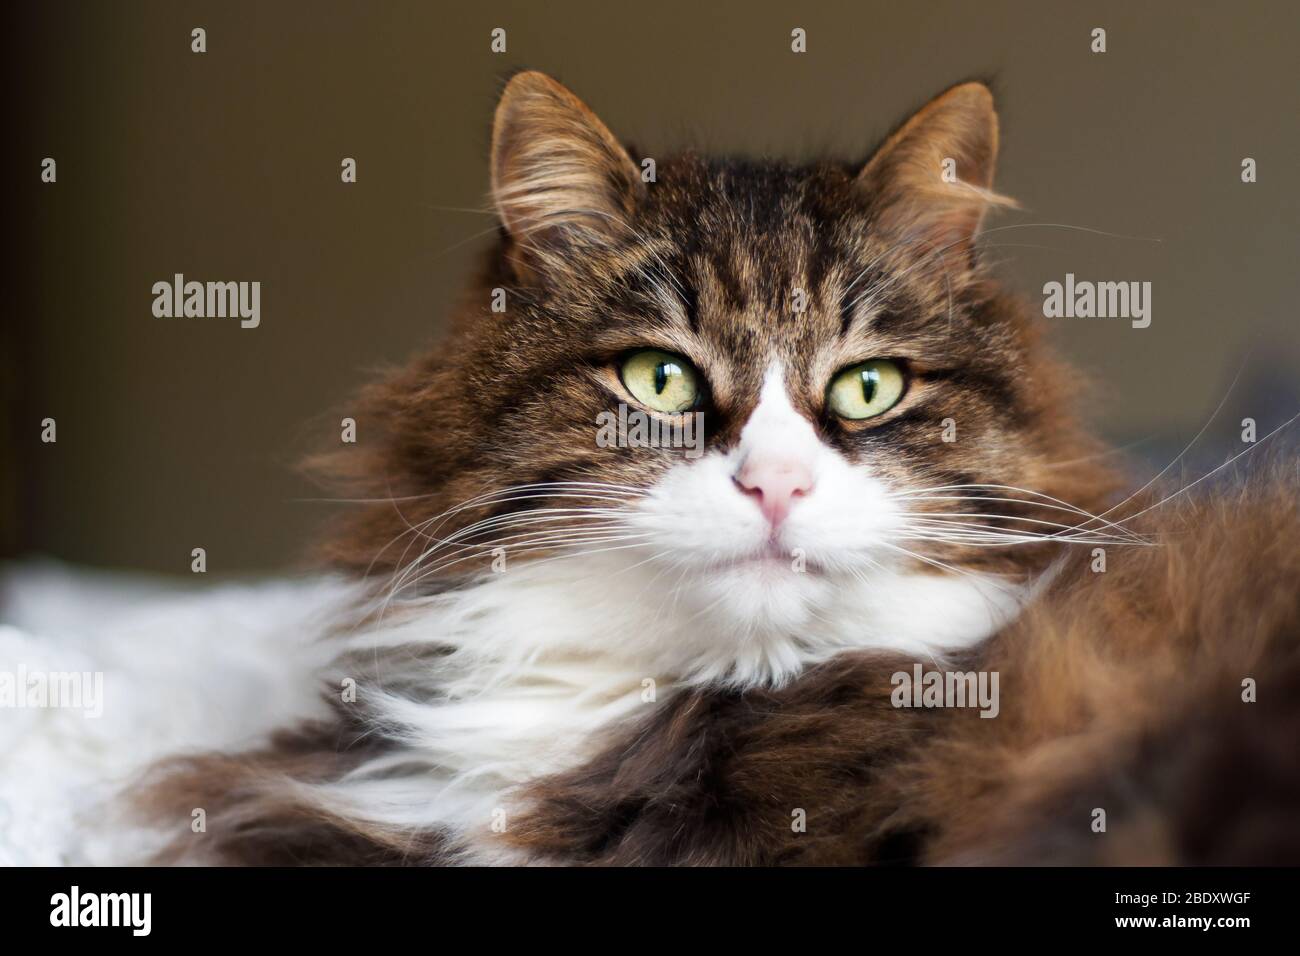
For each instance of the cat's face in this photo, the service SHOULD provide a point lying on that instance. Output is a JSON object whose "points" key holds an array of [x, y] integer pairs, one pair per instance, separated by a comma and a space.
{"points": [[865, 398]]}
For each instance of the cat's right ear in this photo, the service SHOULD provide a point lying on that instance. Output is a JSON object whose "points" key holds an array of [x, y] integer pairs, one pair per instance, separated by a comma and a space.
{"points": [[932, 180], [560, 179]]}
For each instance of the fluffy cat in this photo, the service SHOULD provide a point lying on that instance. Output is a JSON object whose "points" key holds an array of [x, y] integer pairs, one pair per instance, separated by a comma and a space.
{"points": [[572, 651]]}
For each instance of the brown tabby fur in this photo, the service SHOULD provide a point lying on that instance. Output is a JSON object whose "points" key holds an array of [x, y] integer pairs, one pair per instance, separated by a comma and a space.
{"points": [[1120, 690]]}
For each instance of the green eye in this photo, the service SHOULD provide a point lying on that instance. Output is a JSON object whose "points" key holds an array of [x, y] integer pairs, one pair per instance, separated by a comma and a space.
{"points": [[866, 390], [661, 381]]}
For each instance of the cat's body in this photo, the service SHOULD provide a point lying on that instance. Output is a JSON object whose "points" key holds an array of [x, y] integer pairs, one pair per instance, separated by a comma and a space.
{"points": [[1120, 691], [581, 653]]}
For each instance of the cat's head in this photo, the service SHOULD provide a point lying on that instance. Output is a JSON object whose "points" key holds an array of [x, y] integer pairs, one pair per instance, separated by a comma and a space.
{"points": [[878, 426]]}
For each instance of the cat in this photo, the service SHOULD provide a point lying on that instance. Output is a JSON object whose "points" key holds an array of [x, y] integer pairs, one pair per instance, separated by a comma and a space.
{"points": [[566, 651]]}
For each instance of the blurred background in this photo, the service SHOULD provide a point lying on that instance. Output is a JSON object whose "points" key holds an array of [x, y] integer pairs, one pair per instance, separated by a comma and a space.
{"points": [[175, 434]]}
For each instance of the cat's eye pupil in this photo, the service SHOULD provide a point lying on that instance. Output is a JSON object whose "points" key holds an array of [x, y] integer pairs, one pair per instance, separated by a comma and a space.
{"points": [[870, 381], [662, 371]]}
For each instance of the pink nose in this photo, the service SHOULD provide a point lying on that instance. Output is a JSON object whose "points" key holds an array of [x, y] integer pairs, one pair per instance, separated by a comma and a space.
{"points": [[775, 482]]}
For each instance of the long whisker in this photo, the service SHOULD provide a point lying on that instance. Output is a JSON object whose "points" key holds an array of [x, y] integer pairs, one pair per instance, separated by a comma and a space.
{"points": [[540, 542], [609, 489], [1188, 447], [507, 496], [1053, 504], [515, 520], [1214, 471], [580, 490], [950, 525], [582, 554], [498, 497], [944, 567]]}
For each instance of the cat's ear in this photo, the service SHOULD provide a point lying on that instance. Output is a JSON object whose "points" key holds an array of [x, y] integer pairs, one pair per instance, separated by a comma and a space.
{"points": [[931, 182], [559, 177]]}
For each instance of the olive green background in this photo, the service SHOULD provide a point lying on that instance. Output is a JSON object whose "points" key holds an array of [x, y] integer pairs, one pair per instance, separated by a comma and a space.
{"points": [[174, 434]]}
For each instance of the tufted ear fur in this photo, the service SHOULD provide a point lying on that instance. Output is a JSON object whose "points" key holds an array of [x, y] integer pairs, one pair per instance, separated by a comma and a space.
{"points": [[559, 177], [931, 182]]}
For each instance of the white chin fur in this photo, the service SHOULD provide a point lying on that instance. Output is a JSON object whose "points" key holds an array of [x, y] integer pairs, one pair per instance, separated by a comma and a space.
{"points": [[547, 657]]}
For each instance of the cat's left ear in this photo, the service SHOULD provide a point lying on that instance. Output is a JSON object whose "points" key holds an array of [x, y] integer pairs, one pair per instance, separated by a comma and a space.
{"points": [[932, 181], [559, 177]]}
